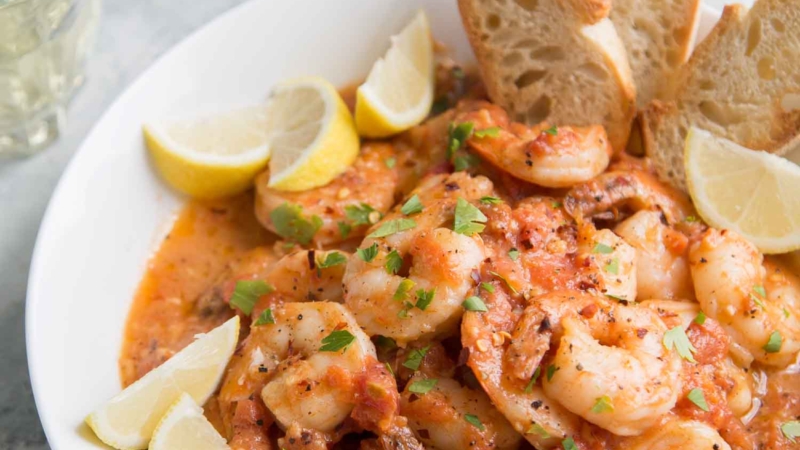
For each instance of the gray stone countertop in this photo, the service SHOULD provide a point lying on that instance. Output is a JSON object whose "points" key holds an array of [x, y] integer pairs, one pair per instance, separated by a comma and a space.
{"points": [[132, 34]]}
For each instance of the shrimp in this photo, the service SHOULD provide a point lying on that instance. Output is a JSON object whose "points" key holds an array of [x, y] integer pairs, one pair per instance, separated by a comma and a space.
{"points": [[609, 261], [439, 263], [547, 156], [679, 434], [758, 304], [662, 253], [369, 184], [596, 338], [453, 416], [304, 383], [604, 195]]}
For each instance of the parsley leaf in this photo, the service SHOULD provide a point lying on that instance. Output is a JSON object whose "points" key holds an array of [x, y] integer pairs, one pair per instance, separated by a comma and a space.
{"points": [[457, 135], [393, 262], [474, 303], [290, 224], [556, 204], [491, 200], [344, 229], [389, 368], [759, 289], [264, 318], [513, 254], [385, 342], [468, 219], [332, 259], [369, 253], [534, 377], [474, 421], [602, 248], [424, 298], [696, 396], [487, 287], [700, 318], [774, 343], [505, 280], [552, 131], [464, 162], [414, 359], [569, 444], [690, 219], [551, 370], [488, 132], [613, 266], [337, 340], [422, 386], [603, 404], [390, 162], [677, 338], [538, 429], [359, 214], [391, 227], [403, 289], [791, 430], [412, 206], [246, 294]]}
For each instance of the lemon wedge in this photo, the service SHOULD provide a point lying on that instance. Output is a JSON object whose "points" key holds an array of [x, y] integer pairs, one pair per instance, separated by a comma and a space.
{"points": [[311, 133], [127, 421], [210, 156], [398, 93], [184, 427], [754, 193]]}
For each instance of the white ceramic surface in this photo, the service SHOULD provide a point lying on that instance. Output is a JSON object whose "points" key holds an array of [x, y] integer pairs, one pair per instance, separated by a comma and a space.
{"points": [[110, 211]]}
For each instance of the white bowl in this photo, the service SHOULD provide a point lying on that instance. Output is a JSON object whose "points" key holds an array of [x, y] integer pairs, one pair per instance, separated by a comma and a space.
{"points": [[110, 211]]}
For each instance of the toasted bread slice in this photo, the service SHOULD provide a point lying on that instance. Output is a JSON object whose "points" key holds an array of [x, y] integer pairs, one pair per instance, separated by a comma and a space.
{"points": [[741, 83], [555, 60], [658, 36]]}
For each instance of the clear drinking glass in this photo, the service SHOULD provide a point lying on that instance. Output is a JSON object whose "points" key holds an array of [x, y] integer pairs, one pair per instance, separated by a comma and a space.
{"points": [[43, 47]]}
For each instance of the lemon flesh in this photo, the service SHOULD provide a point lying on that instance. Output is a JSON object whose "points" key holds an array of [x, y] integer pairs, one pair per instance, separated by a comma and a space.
{"points": [[127, 421], [754, 193], [311, 133], [398, 93], [211, 156], [184, 427]]}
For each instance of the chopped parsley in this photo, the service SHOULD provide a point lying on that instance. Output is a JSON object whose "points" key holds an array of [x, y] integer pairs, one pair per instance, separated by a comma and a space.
{"points": [[464, 162], [474, 421], [422, 386], [538, 429], [247, 292], [290, 223], [690, 219], [265, 318], [602, 248], [391, 227], [551, 371], [552, 131], [403, 289], [385, 342], [474, 303], [676, 338], [369, 253], [505, 280], [468, 219], [556, 204], [513, 254], [487, 287], [344, 229], [700, 318], [791, 430], [389, 368], [360, 214], [758, 295], [332, 259], [393, 262], [491, 200], [774, 343], [569, 444], [411, 206], [613, 267], [390, 162], [603, 404], [424, 298], [414, 359], [457, 135], [696, 396], [488, 132], [534, 377], [337, 340]]}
